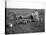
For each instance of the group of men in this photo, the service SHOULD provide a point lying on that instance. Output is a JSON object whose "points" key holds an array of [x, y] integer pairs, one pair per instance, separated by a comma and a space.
{"points": [[30, 18]]}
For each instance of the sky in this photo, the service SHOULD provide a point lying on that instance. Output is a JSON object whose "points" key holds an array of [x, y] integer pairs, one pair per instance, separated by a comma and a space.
{"points": [[25, 4]]}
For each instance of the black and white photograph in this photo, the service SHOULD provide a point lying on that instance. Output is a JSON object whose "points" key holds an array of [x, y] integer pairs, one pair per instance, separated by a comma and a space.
{"points": [[23, 20]]}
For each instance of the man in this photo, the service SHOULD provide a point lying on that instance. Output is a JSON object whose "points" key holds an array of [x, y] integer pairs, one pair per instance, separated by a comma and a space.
{"points": [[35, 15]]}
